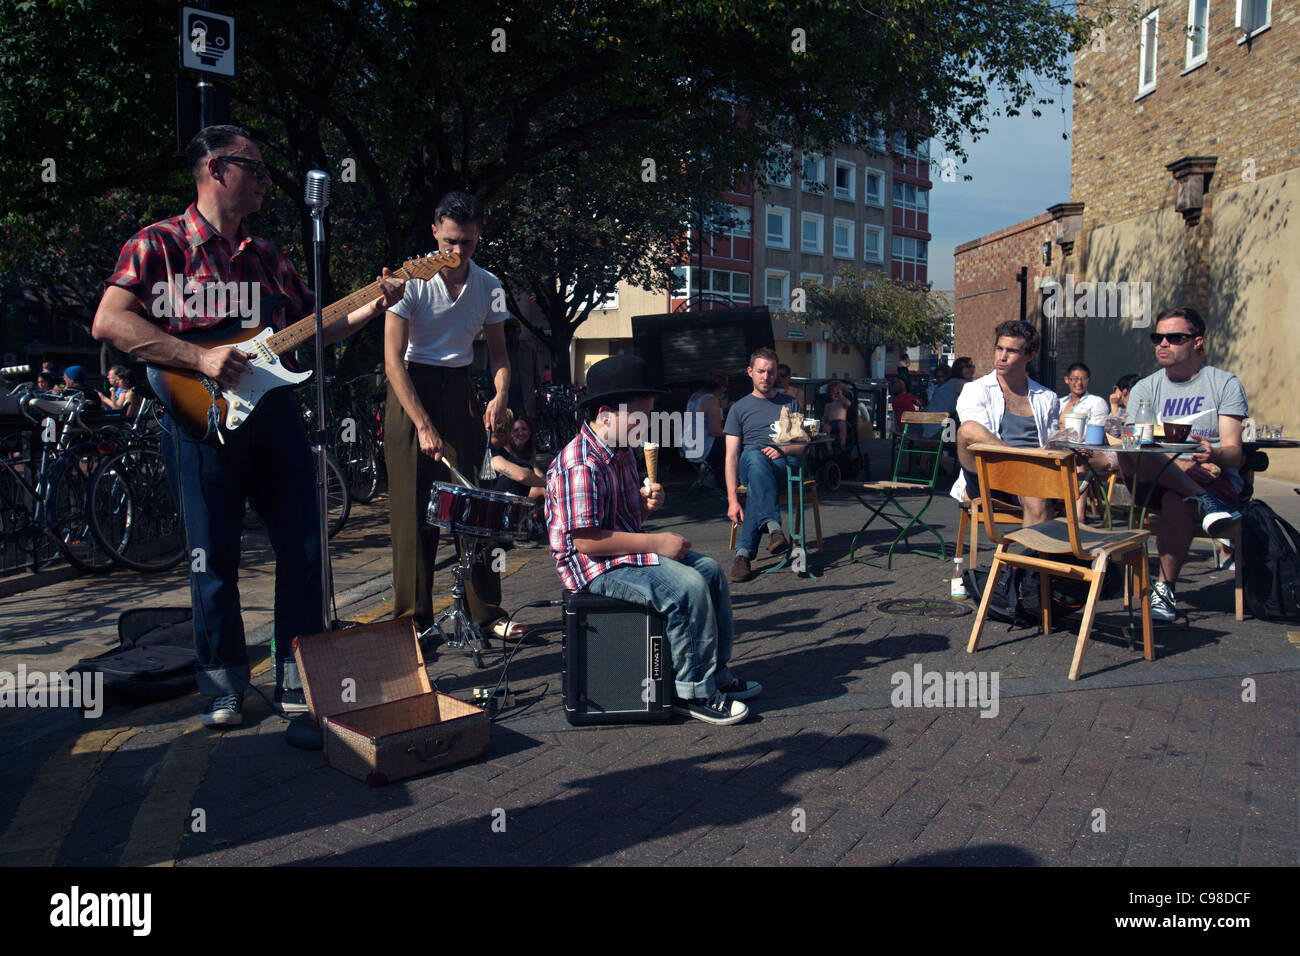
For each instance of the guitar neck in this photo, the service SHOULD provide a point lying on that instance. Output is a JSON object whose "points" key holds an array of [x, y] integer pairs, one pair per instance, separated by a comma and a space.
{"points": [[302, 330]]}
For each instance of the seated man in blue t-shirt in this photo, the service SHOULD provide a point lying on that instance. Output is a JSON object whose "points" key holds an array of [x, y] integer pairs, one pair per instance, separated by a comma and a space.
{"points": [[753, 461]]}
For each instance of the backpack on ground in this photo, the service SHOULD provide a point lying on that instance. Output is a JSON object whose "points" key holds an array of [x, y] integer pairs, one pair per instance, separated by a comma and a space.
{"points": [[154, 659], [1270, 569], [1017, 599]]}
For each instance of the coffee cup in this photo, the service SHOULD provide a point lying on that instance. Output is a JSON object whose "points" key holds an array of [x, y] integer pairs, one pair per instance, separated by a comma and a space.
{"points": [[1177, 431], [1095, 434], [1075, 423]]}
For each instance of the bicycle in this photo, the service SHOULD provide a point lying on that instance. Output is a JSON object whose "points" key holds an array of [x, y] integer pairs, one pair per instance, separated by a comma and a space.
{"points": [[44, 506], [357, 441]]}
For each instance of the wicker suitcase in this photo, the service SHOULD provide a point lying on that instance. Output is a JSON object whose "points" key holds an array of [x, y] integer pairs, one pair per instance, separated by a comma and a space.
{"points": [[382, 720]]}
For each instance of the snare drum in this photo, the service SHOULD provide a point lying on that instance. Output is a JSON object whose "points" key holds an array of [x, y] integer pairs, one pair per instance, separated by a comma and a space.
{"points": [[478, 512]]}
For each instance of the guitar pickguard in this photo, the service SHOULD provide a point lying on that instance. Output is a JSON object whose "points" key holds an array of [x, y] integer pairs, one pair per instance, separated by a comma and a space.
{"points": [[266, 372]]}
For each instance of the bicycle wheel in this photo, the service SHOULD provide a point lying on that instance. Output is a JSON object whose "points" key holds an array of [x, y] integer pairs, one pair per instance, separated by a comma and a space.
{"points": [[17, 533], [67, 514], [336, 494], [358, 459], [133, 514]]}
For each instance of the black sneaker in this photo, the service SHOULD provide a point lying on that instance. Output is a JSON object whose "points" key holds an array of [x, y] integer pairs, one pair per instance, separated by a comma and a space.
{"points": [[740, 689], [718, 709], [224, 711], [1215, 515], [291, 701]]}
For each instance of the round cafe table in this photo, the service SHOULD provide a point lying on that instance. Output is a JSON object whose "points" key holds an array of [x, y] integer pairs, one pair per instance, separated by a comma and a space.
{"points": [[1171, 450]]}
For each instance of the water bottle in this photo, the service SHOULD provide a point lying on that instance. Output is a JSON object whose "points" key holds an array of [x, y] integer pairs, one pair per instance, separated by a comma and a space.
{"points": [[958, 582], [1145, 422]]}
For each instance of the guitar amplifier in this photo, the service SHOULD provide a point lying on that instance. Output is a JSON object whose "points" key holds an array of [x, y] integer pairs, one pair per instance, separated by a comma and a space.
{"points": [[617, 663]]}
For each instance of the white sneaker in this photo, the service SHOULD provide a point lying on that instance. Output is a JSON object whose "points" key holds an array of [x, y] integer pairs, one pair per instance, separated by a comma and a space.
{"points": [[718, 709], [1162, 602]]}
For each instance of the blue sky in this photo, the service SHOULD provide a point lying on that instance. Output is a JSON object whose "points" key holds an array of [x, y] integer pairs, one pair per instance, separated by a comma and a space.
{"points": [[1019, 168]]}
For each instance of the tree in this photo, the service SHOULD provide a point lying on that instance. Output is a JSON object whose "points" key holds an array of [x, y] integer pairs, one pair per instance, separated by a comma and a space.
{"points": [[868, 309], [417, 99]]}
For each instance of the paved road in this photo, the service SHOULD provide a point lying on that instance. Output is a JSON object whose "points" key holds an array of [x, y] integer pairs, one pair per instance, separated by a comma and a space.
{"points": [[1189, 759]]}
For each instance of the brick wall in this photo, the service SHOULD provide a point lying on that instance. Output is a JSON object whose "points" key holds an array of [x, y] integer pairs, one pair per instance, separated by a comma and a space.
{"points": [[988, 290], [1240, 106]]}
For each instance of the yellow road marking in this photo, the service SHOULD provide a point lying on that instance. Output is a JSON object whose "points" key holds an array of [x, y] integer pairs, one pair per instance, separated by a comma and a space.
{"points": [[58, 792], [165, 812]]}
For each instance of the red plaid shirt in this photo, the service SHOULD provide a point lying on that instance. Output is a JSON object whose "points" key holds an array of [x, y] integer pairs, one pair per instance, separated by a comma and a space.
{"points": [[188, 246], [591, 486]]}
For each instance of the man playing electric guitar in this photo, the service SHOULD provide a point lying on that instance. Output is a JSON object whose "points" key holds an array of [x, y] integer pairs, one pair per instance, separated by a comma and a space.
{"points": [[268, 459]]}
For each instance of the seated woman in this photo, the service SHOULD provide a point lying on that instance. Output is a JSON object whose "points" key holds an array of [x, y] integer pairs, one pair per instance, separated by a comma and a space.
{"points": [[707, 401], [835, 416], [513, 461], [121, 397]]}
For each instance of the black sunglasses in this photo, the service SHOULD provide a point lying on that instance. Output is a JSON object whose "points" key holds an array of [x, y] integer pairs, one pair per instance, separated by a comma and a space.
{"points": [[1173, 338], [259, 168]]}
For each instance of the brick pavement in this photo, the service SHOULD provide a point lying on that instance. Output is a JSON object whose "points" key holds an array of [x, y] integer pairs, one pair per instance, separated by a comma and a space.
{"points": [[826, 772]]}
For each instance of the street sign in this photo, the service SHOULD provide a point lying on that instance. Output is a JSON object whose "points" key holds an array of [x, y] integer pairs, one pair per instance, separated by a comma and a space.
{"points": [[795, 333], [207, 41]]}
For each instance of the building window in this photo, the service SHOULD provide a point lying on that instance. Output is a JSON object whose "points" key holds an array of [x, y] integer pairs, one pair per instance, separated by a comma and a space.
{"points": [[1253, 16], [875, 188], [809, 279], [729, 285], [810, 232], [1198, 16], [907, 196], [778, 171], [777, 288], [1147, 60], [843, 245], [845, 174], [814, 173], [681, 286], [778, 227], [921, 153], [910, 251], [873, 243]]}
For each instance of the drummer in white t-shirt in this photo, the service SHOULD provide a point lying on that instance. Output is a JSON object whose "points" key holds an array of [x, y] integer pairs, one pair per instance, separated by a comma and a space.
{"points": [[432, 413]]}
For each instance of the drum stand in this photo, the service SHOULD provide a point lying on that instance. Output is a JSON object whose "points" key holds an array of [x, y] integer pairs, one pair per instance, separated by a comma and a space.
{"points": [[464, 631]]}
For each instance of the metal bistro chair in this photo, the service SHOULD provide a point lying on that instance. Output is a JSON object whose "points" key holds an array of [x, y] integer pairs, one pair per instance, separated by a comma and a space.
{"points": [[905, 489], [1046, 473]]}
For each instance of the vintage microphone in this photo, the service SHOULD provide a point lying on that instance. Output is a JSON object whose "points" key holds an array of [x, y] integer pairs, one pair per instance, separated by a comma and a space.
{"points": [[317, 197]]}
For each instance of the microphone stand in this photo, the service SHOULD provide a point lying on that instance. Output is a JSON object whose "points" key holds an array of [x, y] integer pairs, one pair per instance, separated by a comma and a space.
{"points": [[327, 577]]}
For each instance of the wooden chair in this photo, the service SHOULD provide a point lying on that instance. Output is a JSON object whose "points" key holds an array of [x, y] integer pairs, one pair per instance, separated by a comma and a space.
{"points": [[896, 500], [810, 494], [972, 516], [1046, 473]]}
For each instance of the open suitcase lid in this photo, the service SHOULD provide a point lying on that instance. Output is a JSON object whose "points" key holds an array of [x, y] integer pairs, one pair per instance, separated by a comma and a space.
{"points": [[361, 667]]}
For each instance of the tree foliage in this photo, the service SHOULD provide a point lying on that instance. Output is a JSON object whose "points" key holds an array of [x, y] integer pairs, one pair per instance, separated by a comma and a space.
{"points": [[499, 98], [868, 309]]}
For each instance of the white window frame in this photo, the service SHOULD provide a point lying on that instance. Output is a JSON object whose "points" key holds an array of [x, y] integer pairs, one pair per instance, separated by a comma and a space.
{"points": [[784, 276], [820, 165], [810, 278], [820, 220], [1193, 60], [879, 231], [1146, 56], [848, 226], [784, 213], [745, 227], [847, 194], [879, 201], [731, 295], [898, 251], [1249, 31]]}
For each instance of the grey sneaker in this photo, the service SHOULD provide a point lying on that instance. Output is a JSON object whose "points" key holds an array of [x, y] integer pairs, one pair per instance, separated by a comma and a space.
{"points": [[224, 711], [1215, 515], [1162, 602], [718, 709]]}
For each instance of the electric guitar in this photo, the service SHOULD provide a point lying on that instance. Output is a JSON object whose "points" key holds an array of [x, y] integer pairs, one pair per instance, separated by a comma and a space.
{"points": [[202, 407]]}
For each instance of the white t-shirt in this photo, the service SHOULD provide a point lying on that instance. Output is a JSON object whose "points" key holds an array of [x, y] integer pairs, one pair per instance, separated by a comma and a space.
{"points": [[1094, 406], [441, 332]]}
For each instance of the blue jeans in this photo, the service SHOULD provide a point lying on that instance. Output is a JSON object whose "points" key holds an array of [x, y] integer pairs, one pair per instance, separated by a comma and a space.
{"points": [[266, 461], [765, 480], [692, 594]]}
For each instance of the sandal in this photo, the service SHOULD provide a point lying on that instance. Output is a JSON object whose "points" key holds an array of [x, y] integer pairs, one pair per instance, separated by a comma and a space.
{"points": [[517, 629]]}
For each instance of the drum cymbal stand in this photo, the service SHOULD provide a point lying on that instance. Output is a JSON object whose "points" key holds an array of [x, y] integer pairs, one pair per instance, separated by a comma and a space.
{"points": [[464, 631]]}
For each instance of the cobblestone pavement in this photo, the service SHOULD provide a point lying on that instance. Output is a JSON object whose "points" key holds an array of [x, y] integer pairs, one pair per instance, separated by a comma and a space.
{"points": [[1189, 759]]}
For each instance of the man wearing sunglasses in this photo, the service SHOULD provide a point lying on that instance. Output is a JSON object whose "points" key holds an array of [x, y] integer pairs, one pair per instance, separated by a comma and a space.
{"points": [[268, 460], [1203, 488]]}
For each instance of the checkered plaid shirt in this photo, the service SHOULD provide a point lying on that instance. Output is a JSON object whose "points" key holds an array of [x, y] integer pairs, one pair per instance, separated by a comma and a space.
{"points": [[591, 486], [189, 247]]}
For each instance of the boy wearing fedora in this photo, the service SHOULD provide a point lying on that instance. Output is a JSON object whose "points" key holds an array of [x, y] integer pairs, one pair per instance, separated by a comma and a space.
{"points": [[595, 504]]}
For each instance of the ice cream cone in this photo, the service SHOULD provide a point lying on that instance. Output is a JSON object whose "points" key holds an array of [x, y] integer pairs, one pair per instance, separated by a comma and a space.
{"points": [[651, 461]]}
